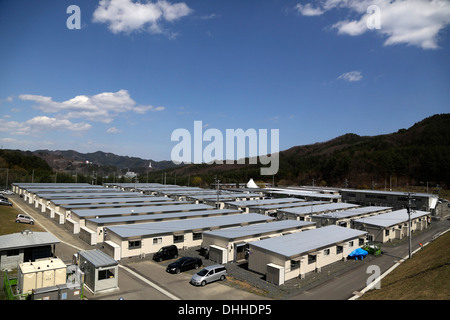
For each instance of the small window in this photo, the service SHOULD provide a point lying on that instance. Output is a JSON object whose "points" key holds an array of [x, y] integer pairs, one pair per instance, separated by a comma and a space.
{"points": [[295, 264], [134, 244], [311, 258], [350, 243], [105, 274], [177, 239], [326, 252], [157, 240], [197, 236], [339, 249]]}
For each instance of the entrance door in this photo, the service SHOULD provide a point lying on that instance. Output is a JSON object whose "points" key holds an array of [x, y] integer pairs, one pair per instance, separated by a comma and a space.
{"points": [[240, 251]]}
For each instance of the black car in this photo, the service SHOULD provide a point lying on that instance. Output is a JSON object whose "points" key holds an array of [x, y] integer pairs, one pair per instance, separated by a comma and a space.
{"points": [[183, 264], [168, 252]]}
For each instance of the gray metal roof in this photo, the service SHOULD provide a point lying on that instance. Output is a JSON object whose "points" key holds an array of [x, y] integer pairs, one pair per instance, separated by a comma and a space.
{"points": [[24, 240], [98, 258], [263, 202], [87, 200], [351, 212], [72, 190], [391, 218], [121, 205], [167, 227], [395, 193], [306, 241], [300, 193], [50, 196], [319, 208], [288, 205], [140, 210], [162, 216], [251, 230], [225, 196]]}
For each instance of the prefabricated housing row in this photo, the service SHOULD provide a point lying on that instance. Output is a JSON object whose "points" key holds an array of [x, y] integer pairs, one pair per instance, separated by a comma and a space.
{"points": [[60, 205], [303, 194], [126, 241], [392, 225], [287, 257], [345, 218], [93, 232], [271, 209], [78, 217], [245, 205], [305, 213], [230, 244], [395, 199]]}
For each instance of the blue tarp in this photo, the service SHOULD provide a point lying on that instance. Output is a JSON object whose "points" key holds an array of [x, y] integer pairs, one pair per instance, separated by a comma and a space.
{"points": [[358, 254]]}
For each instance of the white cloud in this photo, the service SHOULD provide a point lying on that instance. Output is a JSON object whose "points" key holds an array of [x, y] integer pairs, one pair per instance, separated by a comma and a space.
{"points": [[113, 130], [40, 124], [411, 22], [102, 107], [308, 10], [351, 76], [127, 16]]}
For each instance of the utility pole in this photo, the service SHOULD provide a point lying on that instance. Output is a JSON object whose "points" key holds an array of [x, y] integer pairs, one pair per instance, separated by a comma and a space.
{"points": [[408, 209], [217, 184]]}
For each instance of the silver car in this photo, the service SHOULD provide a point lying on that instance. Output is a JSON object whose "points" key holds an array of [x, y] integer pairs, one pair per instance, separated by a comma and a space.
{"points": [[209, 274], [21, 218]]}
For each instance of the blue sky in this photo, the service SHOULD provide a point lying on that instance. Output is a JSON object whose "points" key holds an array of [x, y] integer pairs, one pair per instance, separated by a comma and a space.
{"points": [[135, 72]]}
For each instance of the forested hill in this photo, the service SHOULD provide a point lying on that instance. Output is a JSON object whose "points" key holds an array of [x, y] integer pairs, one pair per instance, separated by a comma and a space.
{"points": [[412, 156]]}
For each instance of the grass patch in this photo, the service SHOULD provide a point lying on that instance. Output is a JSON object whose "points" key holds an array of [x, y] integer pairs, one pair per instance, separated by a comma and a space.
{"points": [[8, 224], [426, 276]]}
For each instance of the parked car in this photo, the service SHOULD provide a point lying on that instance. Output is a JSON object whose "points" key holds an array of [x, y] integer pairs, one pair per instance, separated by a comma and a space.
{"points": [[6, 192], [168, 252], [183, 264], [21, 218], [209, 274], [5, 202]]}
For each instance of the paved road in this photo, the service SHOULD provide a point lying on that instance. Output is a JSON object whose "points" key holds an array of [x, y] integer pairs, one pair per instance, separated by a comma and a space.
{"points": [[343, 286]]}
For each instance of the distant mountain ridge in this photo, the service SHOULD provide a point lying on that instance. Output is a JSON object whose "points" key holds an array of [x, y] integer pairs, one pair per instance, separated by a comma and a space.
{"points": [[71, 159], [419, 155], [412, 156]]}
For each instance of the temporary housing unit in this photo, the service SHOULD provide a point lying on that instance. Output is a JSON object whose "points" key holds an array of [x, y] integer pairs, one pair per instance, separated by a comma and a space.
{"points": [[79, 216], [43, 199], [101, 271], [25, 246], [245, 205], [21, 187], [94, 230], [214, 200], [303, 194], [305, 213], [287, 257], [345, 218], [395, 199], [148, 238], [271, 210], [392, 225], [61, 208], [231, 244], [40, 274]]}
